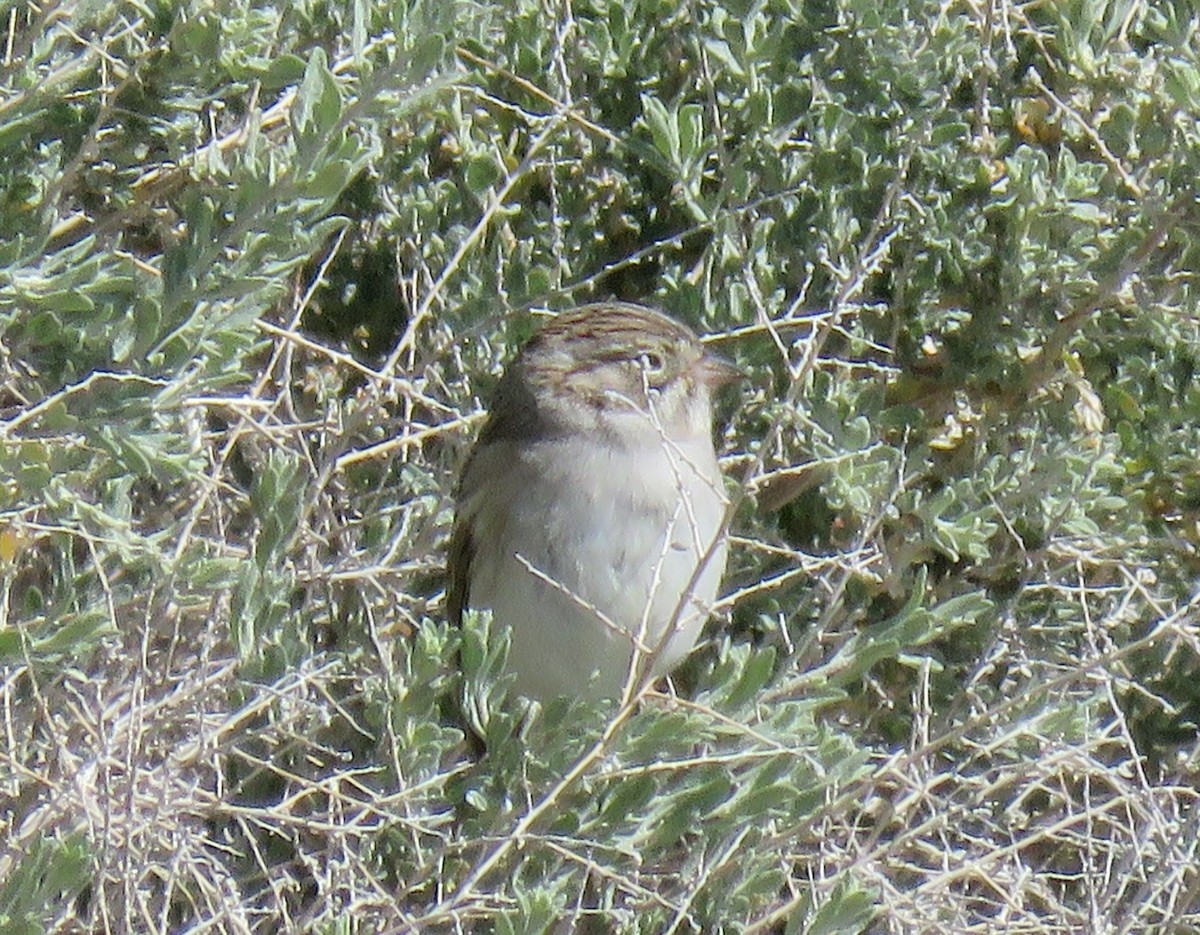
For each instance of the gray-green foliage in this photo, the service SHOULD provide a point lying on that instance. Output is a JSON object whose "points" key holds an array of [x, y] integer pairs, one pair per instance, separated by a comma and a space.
{"points": [[258, 267]]}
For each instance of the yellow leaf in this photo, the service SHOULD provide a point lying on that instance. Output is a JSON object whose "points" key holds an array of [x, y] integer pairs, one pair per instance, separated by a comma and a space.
{"points": [[10, 545]]}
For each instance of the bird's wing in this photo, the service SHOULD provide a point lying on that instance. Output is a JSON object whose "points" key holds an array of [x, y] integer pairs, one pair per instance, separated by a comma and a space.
{"points": [[462, 549]]}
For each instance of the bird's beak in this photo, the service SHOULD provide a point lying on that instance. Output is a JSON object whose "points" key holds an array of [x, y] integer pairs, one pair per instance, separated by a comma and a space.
{"points": [[717, 371]]}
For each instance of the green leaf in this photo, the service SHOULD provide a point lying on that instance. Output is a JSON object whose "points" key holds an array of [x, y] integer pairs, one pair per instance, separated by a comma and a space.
{"points": [[625, 799], [690, 123], [662, 128], [318, 103], [754, 675]]}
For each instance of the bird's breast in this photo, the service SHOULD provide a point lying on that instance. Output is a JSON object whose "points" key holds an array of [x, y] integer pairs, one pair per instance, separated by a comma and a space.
{"points": [[588, 544]]}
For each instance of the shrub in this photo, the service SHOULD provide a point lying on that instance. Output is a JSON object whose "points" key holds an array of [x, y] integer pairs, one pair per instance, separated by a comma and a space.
{"points": [[260, 266]]}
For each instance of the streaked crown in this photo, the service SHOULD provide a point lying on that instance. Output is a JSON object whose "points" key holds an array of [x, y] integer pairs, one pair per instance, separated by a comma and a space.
{"points": [[607, 361]]}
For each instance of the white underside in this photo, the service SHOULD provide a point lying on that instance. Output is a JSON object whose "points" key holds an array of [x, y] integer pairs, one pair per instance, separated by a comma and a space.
{"points": [[596, 592]]}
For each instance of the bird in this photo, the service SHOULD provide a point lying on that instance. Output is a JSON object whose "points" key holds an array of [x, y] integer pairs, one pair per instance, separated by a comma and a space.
{"points": [[589, 514]]}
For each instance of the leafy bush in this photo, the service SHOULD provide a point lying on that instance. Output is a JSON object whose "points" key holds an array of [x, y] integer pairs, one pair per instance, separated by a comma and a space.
{"points": [[260, 268]]}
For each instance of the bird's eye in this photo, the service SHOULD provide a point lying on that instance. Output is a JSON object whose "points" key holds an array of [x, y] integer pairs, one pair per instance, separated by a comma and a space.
{"points": [[652, 362]]}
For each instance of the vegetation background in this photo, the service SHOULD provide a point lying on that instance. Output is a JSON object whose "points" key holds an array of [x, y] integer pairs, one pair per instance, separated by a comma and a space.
{"points": [[259, 267]]}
